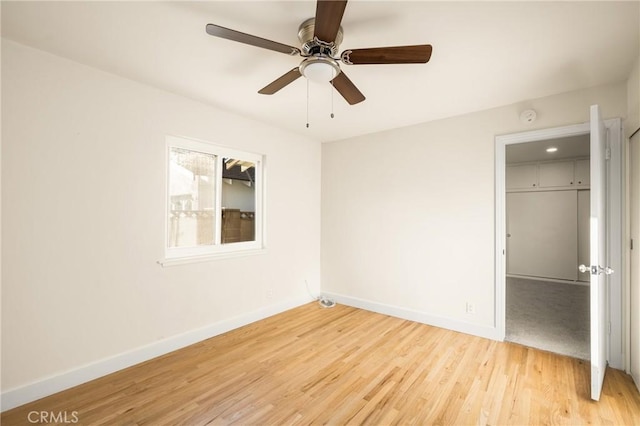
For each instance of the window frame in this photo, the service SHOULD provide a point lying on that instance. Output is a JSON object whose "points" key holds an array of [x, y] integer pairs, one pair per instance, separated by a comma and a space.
{"points": [[217, 249]]}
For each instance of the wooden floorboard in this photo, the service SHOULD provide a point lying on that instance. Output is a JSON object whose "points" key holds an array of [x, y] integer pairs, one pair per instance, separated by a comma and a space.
{"points": [[341, 366]]}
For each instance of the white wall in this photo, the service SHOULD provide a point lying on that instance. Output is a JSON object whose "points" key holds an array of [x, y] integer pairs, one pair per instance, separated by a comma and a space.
{"points": [[542, 229], [408, 214], [83, 196]]}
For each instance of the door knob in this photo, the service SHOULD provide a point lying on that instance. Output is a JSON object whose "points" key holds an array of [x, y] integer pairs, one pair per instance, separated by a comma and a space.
{"points": [[596, 270], [606, 270]]}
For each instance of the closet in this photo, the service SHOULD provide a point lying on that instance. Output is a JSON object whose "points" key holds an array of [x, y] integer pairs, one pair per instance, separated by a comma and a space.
{"points": [[548, 219]]}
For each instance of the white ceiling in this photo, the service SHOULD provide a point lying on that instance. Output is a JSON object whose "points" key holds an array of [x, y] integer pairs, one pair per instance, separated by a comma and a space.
{"points": [[569, 147], [485, 54]]}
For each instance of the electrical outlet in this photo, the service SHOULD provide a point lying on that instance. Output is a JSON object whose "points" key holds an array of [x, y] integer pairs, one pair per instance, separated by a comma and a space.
{"points": [[471, 308], [269, 293]]}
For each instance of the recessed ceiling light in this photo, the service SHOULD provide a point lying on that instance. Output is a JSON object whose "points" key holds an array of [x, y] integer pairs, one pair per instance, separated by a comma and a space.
{"points": [[552, 149]]}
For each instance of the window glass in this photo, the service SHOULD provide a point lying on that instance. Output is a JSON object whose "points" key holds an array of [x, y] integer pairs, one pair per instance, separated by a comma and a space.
{"points": [[238, 200], [191, 197]]}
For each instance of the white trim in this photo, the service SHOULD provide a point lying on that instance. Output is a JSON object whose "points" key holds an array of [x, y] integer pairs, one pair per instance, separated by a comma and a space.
{"points": [[58, 382], [500, 227], [210, 147], [487, 332], [544, 134], [628, 306], [549, 280], [615, 243]]}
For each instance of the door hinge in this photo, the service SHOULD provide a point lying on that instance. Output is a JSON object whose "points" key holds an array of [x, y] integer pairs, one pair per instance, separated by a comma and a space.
{"points": [[607, 154], [609, 327], [631, 245]]}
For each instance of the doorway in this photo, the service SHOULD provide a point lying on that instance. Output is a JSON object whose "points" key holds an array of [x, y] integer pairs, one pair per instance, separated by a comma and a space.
{"points": [[614, 307], [547, 223]]}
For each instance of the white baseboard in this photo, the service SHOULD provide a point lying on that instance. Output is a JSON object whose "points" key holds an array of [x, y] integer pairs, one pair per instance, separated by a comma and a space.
{"points": [[418, 316], [49, 385], [549, 280]]}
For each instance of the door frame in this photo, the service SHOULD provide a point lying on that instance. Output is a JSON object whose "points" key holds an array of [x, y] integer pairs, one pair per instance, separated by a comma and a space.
{"points": [[615, 207]]}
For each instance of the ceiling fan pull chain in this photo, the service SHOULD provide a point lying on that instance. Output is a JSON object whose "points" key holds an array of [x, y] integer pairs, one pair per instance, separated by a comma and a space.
{"points": [[332, 99], [307, 104]]}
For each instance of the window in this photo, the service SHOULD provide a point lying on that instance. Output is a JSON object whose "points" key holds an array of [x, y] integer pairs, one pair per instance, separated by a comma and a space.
{"points": [[214, 199]]}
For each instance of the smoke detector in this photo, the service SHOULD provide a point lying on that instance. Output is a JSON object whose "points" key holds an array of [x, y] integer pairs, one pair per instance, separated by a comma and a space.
{"points": [[528, 116]]}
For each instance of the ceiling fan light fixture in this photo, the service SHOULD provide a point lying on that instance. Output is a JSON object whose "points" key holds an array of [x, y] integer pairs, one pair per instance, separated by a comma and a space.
{"points": [[319, 69]]}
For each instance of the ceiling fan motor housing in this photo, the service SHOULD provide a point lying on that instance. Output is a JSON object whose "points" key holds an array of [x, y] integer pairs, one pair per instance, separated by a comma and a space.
{"points": [[312, 45]]}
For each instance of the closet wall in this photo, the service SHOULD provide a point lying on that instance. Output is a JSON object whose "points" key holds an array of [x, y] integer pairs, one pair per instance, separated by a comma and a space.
{"points": [[548, 219]]}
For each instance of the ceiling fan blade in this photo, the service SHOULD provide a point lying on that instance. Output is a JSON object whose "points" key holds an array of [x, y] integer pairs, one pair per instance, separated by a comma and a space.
{"points": [[233, 35], [328, 17], [347, 89], [418, 54], [280, 82]]}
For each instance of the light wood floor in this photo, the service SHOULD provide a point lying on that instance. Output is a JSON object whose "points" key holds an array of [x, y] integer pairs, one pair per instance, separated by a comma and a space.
{"points": [[347, 366]]}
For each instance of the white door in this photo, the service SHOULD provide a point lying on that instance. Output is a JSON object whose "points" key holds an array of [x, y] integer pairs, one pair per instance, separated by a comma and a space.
{"points": [[598, 258]]}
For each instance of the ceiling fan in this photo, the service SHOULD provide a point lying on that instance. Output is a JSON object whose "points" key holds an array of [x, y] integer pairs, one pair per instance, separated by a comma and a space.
{"points": [[320, 38]]}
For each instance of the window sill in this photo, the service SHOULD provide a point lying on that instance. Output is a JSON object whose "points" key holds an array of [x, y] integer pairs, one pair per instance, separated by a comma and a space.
{"points": [[175, 261]]}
